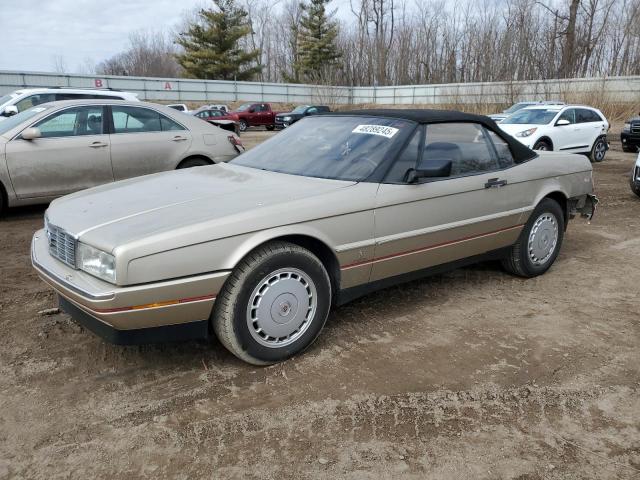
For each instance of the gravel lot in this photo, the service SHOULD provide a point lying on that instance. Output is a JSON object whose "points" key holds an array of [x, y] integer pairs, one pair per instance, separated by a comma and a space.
{"points": [[473, 374]]}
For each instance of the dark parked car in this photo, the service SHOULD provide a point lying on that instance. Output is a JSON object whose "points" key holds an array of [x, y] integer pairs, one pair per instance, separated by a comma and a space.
{"points": [[224, 120], [283, 120], [630, 136]]}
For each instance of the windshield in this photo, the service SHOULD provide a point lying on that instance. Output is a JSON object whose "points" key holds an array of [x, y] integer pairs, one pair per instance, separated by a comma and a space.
{"points": [[243, 107], [300, 109], [17, 119], [536, 116], [339, 148], [517, 106]]}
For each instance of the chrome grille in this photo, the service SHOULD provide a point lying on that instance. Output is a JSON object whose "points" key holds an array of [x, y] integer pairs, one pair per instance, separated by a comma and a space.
{"points": [[635, 128], [61, 245]]}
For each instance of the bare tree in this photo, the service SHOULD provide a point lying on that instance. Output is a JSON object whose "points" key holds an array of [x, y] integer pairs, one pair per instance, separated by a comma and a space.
{"points": [[150, 54]]}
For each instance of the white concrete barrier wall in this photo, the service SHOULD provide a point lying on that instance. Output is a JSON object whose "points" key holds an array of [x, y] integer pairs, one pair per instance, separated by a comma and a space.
{"points": [[617, 89]]}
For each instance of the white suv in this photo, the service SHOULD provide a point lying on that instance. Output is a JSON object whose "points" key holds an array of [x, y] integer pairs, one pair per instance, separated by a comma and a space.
{"points": [[24, 99], [567, 128]]}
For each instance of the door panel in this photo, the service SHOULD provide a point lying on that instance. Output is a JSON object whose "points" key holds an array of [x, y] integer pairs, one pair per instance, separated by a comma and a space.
{"points": [[567, 137], [420, 226], [145, 142], [72, 155]]}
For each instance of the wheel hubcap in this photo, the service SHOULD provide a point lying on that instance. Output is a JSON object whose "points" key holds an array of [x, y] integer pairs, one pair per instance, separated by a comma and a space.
{"points": [[543, 238], [600, 149], [281, 307]]}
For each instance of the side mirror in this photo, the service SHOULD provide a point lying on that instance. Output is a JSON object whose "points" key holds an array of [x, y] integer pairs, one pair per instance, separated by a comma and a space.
{"points": [[10, 111], [433, 168], [31, 133], [252, 110], [562, 123]]}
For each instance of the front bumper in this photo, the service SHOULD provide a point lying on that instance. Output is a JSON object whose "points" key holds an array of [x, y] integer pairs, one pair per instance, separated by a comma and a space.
{"points": [[280, 123], [160, 311], [630, 140], [584, 205]]}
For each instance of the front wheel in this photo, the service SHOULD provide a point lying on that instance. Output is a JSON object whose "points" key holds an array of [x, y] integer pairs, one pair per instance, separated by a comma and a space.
{"points": [[273, 305], [539, 242], [243, 125], [598, 151], [542, 145]]}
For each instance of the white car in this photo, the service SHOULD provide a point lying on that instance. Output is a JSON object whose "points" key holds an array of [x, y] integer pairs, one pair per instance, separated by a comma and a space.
{"points": [[21, 100], [181, 107], [566, 128]]}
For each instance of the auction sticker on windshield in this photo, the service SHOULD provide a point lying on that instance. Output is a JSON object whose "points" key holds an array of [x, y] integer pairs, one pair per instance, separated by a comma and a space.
{"points": [[376, 130]]}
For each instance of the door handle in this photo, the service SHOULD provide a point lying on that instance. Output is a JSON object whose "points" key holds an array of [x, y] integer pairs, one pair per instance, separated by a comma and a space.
{"points": [[178, 139], [495, 183], [98, 145]]}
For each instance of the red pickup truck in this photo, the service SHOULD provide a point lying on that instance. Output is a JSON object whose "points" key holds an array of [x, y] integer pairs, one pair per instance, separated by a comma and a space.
{"points": [[256, 115]]}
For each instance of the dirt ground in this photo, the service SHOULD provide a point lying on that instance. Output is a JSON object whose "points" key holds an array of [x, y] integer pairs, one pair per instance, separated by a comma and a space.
{"points": [[473, 374]]}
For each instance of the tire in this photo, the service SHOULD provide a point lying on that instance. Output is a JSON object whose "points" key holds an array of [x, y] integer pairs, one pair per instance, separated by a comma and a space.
{"points": [[3, 205], [632, 184], [270, 127], [598, 150], [547, 220], [264, 285], [542, 145], [193, 162], [243, 125], [627, 149]]}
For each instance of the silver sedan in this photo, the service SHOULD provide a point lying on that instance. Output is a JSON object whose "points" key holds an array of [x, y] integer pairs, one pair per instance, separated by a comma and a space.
{"points": [[58, 148]]}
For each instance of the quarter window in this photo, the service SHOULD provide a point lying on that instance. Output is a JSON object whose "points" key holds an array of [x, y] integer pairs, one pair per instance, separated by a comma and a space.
{"points": [[587, 116], [73, 122], [141, 120], [465, 144]]}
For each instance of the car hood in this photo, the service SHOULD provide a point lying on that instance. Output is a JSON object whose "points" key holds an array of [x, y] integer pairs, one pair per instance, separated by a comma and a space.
{"points": [[228, 199]]}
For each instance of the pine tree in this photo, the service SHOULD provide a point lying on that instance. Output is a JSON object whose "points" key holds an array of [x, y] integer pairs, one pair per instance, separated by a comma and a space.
{"points": [[317, 50], [212, 48]]}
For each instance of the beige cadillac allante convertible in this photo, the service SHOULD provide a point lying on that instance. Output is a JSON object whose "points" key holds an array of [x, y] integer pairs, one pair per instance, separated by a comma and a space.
{"points": [[258, 250]]}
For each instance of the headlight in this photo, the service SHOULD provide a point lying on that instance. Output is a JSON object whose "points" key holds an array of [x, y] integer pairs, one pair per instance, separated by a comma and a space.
{"points": [[287, 119], [627, 127], [526, 133], [96, 262]]}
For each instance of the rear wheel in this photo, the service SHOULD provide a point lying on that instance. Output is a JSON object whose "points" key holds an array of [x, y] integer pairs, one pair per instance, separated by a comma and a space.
{"points": [[194, 162], [273, 305], [243, 125], [598, 151], [539, 242], [542, 145]]}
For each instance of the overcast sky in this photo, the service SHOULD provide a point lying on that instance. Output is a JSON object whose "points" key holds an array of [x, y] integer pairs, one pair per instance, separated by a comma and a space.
{"points": [[35, 32]]}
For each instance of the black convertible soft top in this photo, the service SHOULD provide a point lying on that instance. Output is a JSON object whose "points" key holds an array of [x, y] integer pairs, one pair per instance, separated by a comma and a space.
{"points": [[519, 151]]}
